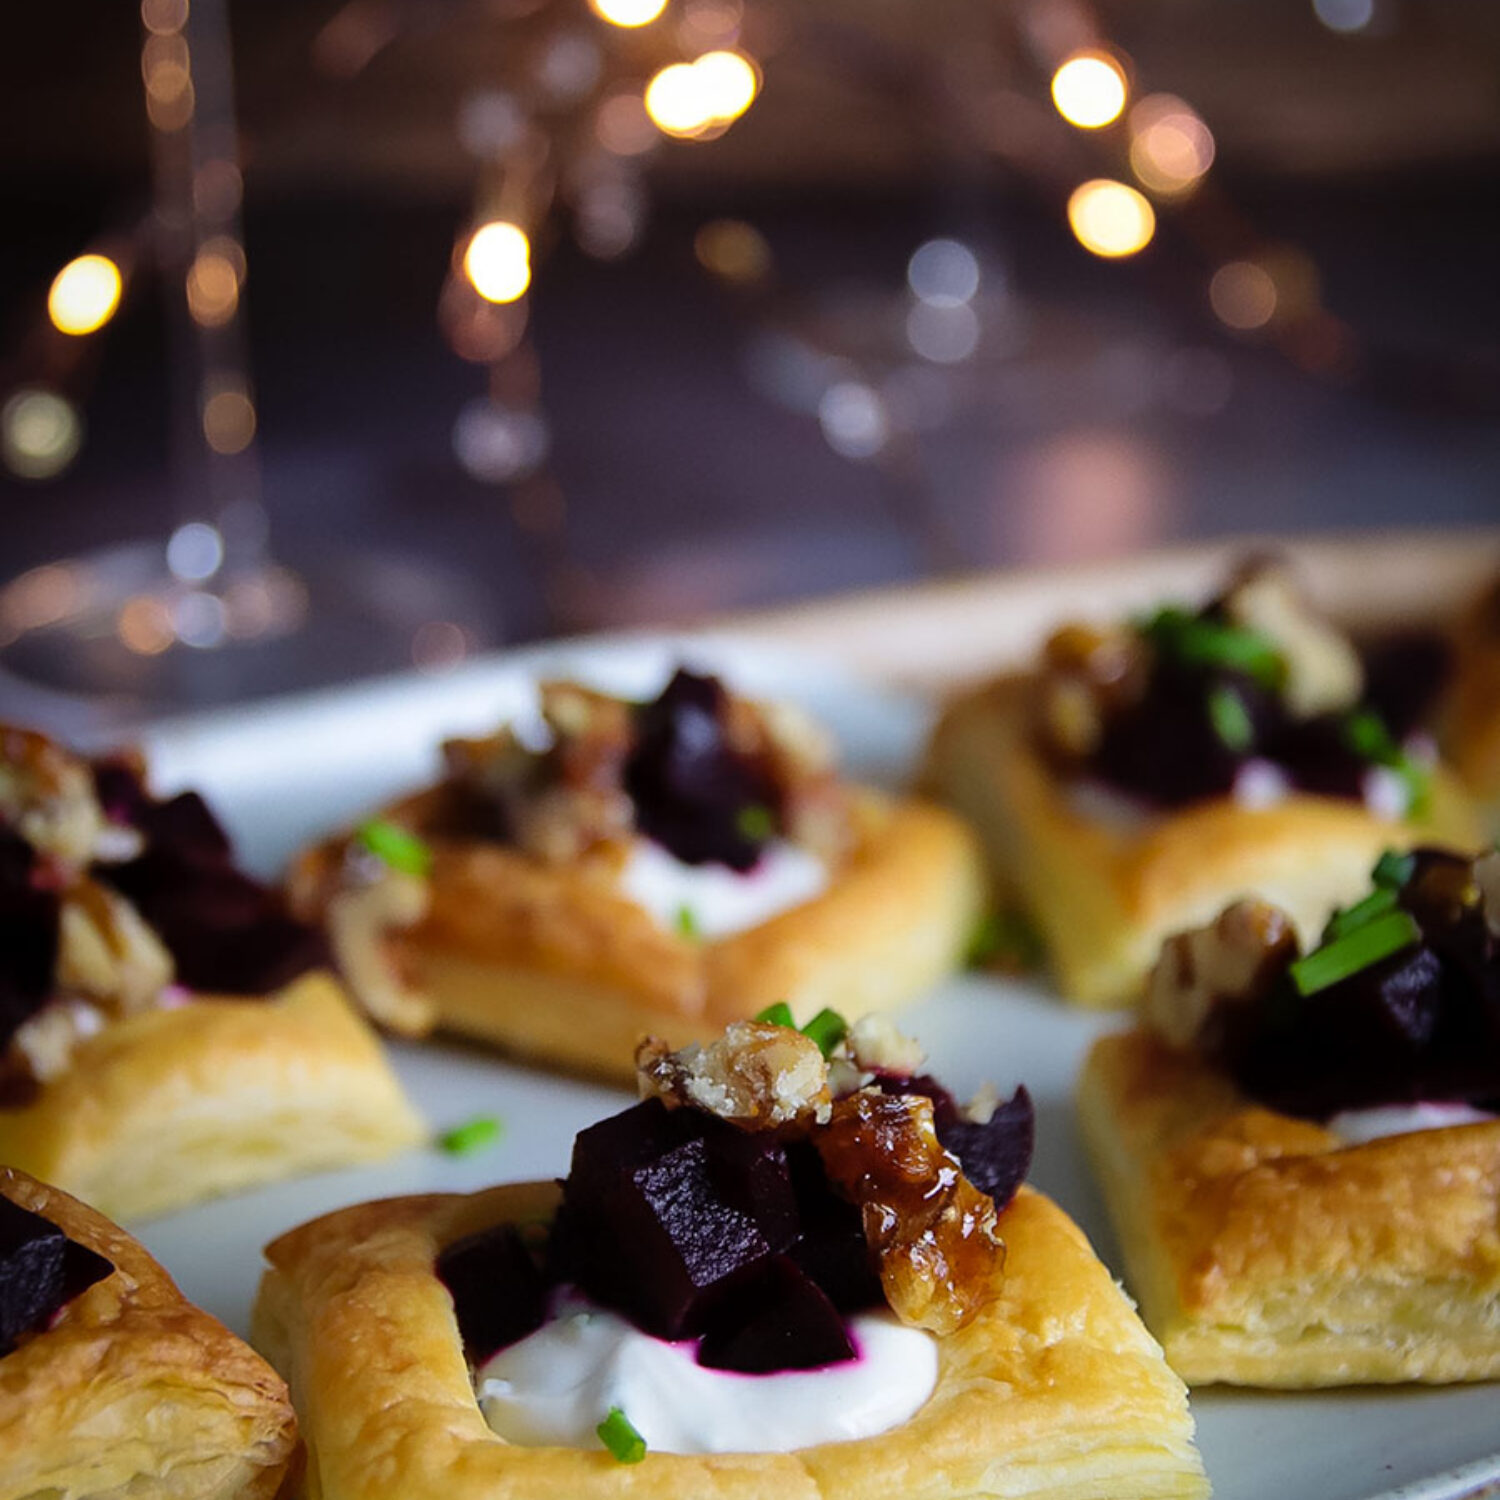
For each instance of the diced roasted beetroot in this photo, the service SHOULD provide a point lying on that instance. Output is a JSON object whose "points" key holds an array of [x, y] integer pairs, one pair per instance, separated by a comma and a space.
{"points": [[690, 787], [499, 1293], [41, 1270], [831, 1247], [781, 1321], [29, 917], [1317, 757], [662, 1215], [1405, 674], [995, 1155]]}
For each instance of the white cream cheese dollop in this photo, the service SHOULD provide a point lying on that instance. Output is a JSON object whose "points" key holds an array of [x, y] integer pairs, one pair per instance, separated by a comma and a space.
{"points": [[720, 901], [555, 1386], [1356, 1126]]}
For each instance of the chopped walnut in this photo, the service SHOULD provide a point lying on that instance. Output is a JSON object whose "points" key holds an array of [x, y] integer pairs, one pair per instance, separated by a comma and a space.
{"points": [[44, 1044], [877, 1046], [1087, 672], [107, 952], [756, 1076], [1487, 878], [360, 918], [933, 1233], [1234, 957], [1324, 674], [47, 794]]}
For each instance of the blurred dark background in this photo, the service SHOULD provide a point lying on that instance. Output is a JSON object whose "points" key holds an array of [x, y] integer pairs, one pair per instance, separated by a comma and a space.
{"points": [[725, 404]]}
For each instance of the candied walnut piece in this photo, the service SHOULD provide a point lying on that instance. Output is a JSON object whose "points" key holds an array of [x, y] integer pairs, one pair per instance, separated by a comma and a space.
{"points": [[47, 795], [1235, 957], [933, 1233], [107, 952], [1087, 673], [876, 1045], [756, 1076], [360, 917]]}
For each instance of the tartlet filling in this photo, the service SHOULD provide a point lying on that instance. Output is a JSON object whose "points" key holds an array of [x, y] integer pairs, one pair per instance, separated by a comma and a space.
{"points": [[769, 1188], [112, 902], [41, 1271], [1254, 696], [1398, 1004]]}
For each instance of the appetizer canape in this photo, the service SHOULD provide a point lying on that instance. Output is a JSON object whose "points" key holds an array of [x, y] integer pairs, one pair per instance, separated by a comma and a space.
{"points": [[783, 1274], [168, 1031], [617, 868], [1149, 772], [1301, 1152], [110, 1383]]}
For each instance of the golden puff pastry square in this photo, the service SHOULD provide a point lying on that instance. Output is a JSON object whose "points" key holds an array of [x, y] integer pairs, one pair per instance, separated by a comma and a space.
{"points": [[1055, 1390], [1471, 718], [213, 1096], [131, 1390], [1264, 1251], [554, 962], [1106, 887]]}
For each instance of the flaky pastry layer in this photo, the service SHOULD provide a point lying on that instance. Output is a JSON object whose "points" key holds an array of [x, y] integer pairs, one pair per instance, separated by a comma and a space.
{"points": [[1264, 1251], [1106, 893], [554, 962], [132, 1391], [214, 1096], [1054, 1391]]}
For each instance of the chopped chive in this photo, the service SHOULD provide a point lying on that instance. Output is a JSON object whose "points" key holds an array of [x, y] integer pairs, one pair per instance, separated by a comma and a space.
{"points": [[1355, 951], [1366, 735], [395, 846], [622, 1440], [779, 1014], [1376, 904], [755, 822], [1212, 643], [687, 922], [1394, 869], [828, 1028], [1230, 718], [1006, 939], [478, 1134]]}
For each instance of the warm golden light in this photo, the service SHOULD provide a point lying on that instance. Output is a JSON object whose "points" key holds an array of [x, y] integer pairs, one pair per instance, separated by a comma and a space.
{"points": [[40, 433], [162, 17], [1111, 219], [628, 12], [733, 250], [1243, 295], [229, 420], [498, 261], [144, 626], [1089, 90], [84, 294], [1170, 146], [213, 289], [687, 99]]}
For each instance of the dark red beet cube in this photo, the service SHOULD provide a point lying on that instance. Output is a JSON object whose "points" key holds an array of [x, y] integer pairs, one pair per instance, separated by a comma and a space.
{"points": [[831, 1248], [41, 1270], [499, 1294], [779, 1321], [995, 1155]]}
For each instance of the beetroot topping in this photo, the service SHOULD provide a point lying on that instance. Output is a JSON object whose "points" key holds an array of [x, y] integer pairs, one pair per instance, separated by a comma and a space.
{"points": [[993, 1144], [41, 1270], [751, 1206], [29, 914], [499, 1292], [1175, 707], [227, 933], [694, 792], [1399, 1002]]}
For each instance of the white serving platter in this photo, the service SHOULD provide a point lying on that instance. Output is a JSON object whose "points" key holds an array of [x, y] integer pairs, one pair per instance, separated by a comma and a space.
{"points": [[283, 772]]}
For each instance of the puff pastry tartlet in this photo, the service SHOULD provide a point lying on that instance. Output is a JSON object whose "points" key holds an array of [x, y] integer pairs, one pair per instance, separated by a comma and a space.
{"points": [[1471, 717], [1148, 773], [1044, 1382], [168, 1031], [118, 1386], [623, 868], [1302, 1155]]}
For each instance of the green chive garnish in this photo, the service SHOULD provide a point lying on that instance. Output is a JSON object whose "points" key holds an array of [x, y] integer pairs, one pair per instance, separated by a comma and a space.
{"points": [[395, 846], [779, 1014], [1394, 869], [755, 823], [828, 1028], [687, 922], [1212, 643], [1366, 735], [1355, 951], [1231, 719], [622, 1440], [1376, 904], [473, 1135]]}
